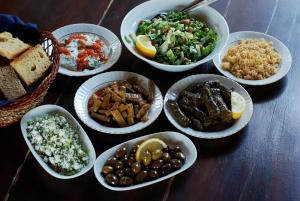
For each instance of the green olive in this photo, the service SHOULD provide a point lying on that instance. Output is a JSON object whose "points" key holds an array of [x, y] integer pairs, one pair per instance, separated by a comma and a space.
{"points": [[166, 157], [136, 167], [107, 169], [180, 156], [156, 154], [147, 158]]}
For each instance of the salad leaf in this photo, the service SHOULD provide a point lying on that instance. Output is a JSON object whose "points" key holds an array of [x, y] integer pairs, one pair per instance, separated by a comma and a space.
{"points": [[179, 37]]}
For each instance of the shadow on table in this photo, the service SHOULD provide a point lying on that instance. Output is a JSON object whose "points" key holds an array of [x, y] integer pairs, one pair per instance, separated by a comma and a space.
{"points": [[268, 92], [218, 147], [86, 187]]}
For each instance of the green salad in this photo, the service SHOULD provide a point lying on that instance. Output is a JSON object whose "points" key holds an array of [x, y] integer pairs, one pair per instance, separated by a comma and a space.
{"points": [[178, 37]]}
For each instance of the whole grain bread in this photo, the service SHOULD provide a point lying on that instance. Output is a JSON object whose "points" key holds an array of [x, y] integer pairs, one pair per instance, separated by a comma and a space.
{"points": [[31, 65], [10, 84], [10, 47]]}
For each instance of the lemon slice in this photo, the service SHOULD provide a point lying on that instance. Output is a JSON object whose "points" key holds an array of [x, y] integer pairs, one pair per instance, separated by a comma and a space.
{"points": [[150, 145], [144, 46], [238, 105]]}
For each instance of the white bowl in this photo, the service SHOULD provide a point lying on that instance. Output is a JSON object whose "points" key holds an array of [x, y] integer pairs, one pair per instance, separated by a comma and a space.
{"points": [[188, 149], [150, 9], [109, 38], [235, 38], [175, 89], [44, 109], [88, 88]]}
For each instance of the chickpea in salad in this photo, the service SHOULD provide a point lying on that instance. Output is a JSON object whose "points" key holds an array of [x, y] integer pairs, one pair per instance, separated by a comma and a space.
{"points": [[178, 38]]}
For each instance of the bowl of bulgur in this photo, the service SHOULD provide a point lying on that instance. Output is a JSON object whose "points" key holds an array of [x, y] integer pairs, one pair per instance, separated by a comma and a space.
{"points": [[253, 58]]}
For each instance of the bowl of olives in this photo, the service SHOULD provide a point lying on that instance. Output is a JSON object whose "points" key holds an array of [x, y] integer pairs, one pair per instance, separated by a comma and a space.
{"points": [[144, 161]]}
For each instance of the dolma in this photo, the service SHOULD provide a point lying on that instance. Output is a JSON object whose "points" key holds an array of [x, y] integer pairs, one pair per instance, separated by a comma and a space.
{"points": [[180, 117]]}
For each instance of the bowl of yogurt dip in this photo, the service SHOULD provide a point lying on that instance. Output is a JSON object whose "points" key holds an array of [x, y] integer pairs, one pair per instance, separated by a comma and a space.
{"points": [[86, 49]]}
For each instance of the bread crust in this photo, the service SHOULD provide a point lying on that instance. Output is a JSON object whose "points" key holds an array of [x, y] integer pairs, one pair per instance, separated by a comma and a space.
{"points": [[10, 84], [10, 47], [31, 65]]}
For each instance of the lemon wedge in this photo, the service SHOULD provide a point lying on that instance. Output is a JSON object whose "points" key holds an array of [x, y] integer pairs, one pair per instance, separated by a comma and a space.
{"points": [[150, 145], [144, 46], [238, 105]]}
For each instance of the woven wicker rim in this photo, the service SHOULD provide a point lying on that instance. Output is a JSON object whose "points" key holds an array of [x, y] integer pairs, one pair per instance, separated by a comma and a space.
{"points": [[50, 45]]}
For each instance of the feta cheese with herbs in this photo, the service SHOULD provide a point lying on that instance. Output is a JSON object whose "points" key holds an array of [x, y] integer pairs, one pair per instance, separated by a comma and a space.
{"points": [[58, 143]]}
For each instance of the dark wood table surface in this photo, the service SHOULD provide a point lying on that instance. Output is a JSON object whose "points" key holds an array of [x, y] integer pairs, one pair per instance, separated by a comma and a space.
{"points": [[262, 162]]}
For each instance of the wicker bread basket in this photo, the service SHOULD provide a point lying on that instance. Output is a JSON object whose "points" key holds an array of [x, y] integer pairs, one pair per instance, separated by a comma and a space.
{"points": [[14, 111]]}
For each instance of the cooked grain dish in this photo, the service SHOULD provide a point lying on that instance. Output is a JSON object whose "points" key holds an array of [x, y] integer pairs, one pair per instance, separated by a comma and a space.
{"points": [[252, 59]]}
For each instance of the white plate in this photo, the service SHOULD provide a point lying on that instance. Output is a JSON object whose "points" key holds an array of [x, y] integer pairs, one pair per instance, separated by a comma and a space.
{"points": [[110, 39], [88, 88], [45, 109], [174, 91], [234, 38], [187, 146], [149, 9]]}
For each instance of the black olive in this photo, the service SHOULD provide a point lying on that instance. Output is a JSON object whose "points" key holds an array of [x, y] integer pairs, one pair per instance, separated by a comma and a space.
{"points": [[156, 165], [136, 167], [107, 169], [166, 157], [124, 159], [130, 161], [119, 165], [120, 173], [121, 152], [126, 181], [140, 177], [167, 149], [129, 172], [176, 164], [166, 169], [153, 174], [180, 156], [134, 148], [111, 179], [146, 167], [111, 161], [174, 149]]}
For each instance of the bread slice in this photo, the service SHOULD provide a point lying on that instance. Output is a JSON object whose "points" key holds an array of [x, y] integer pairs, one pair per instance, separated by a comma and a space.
{"points": [[10, 84], [31, 65], [11, 47]]}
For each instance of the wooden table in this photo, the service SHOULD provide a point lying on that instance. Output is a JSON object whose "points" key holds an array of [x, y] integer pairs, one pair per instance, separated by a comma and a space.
{"points": [[262, 162]]}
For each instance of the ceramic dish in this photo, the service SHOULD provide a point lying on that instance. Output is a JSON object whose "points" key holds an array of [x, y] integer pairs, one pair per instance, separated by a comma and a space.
{"points": [[237, 126], [46, 109], [109, 38], [150, 9], [100, 81], [234, 38], [188, 148]]}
